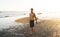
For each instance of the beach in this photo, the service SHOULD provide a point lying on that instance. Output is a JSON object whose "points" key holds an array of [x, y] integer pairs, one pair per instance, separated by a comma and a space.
{"points": [[44, 28], [47, 25], [16, 26], [17, 15]]}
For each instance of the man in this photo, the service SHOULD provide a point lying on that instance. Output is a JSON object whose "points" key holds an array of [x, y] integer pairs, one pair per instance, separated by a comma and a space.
{"points": [[32, 18]]}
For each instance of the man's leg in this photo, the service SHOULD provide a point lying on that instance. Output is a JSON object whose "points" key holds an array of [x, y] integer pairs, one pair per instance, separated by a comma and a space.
{"points": [[34, 29], [31, 30]]}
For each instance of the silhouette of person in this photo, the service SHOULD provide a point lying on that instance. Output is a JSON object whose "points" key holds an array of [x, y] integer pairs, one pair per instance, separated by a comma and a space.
{"points": [[32, 18]]}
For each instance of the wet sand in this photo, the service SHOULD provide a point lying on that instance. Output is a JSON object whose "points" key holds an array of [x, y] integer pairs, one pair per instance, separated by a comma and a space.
{"points": [[44, 28]]}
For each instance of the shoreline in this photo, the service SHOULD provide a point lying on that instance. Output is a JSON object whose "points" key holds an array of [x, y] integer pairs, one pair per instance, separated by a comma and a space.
{"points": [[20, 19]]}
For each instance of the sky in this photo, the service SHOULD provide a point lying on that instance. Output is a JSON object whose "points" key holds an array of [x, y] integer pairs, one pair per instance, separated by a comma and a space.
{"points": [[25, 5]]}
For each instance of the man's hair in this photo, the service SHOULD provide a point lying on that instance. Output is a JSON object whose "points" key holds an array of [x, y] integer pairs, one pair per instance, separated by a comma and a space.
{"points": [[31, 8]]}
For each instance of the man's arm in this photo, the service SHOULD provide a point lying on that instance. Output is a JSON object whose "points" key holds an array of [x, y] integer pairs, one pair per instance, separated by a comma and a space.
{"points": [[35, 18]]}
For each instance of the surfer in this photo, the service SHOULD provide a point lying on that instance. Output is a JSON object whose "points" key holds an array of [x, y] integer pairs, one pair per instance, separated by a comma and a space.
{"points": [[32, 18]]}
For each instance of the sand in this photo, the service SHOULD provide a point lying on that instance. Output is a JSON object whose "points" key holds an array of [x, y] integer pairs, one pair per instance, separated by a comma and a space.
{"points": [[44, 28]]}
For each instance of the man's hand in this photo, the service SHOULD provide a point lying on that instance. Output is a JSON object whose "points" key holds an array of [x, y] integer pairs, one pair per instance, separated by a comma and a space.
{"points": [[36, 19]]}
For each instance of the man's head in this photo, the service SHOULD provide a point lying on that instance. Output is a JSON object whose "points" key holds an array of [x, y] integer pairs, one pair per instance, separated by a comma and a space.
{"points": [[31, 9]]}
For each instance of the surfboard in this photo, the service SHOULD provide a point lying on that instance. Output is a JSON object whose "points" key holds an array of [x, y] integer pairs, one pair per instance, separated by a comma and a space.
{"points": [[24, 20]]}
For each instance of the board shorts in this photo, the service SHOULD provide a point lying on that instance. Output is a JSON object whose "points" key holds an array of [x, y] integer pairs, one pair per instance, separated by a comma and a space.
{"points": [[31, 23]]}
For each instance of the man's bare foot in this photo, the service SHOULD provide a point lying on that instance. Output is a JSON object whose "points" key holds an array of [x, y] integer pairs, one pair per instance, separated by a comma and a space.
{"points": [[24, 32], [31, 33]]}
